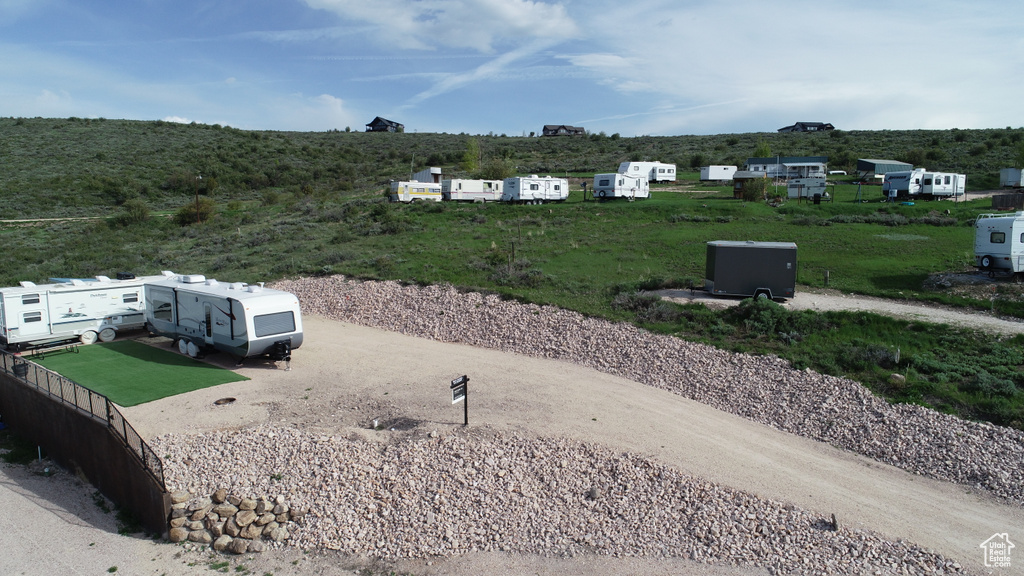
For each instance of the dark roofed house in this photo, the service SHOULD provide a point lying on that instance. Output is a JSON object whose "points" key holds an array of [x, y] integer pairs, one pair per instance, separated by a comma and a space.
{"points": [[563, 130], [808, 127], [384, 125]]}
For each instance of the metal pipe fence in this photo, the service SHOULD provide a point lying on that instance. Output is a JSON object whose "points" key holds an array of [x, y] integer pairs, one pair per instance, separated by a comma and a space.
{"points": [[93, 404]]}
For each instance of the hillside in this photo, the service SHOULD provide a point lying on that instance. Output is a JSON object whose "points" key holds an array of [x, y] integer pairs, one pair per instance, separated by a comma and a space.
{"points": [[76, 167]]}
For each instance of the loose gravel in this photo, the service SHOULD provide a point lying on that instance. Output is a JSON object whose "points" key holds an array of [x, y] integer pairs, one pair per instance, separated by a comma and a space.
{"points": [[764, 389], [459, 492]]}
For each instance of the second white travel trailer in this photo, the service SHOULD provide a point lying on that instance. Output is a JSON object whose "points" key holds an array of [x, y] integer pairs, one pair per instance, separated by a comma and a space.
{"points": [[921, 183], [716, 173], [534, 189], [607, 186], [82, 309], [244, 320], [471, 190], [653, 171], [408, 191]]}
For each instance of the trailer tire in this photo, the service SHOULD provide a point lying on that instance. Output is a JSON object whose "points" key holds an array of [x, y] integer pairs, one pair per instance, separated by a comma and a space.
{"points": [[192, 350], [88, 337], [986, 262], [183, 346], [762, 295], [107, 334]]}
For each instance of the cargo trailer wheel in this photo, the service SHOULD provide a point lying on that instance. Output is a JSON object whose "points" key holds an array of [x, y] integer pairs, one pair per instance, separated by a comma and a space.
{"points": [[986, 261], [88, 337], [762, 295], [183, 346], [107, 334]]}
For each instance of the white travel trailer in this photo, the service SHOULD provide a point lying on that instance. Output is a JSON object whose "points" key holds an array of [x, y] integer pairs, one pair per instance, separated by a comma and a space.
{"points": [[1010, 177], [654, 171], [919, 182], [86, 310], [716, 173], [999, 242], [244, 320], [608, 186], [407, 191], [471, 190], [534, 189], [806, 188]]}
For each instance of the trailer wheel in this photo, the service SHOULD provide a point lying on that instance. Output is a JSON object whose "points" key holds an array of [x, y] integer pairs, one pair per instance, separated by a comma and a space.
{"points": [[192, 349], [183, 346], [762, 295], [88, 337], [986, 261], [107, 334]]}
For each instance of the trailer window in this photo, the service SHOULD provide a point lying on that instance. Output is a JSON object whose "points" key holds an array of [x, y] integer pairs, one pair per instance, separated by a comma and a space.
{"points": [[30, 298], [997, 238], [130, 298], [603, 182], [534, 187], [927, 181], [32, 317], [947, 180], [271, 324]]}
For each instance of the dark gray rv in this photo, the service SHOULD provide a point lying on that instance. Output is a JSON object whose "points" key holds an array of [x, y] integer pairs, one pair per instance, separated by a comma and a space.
{"points": [[751, 269]]}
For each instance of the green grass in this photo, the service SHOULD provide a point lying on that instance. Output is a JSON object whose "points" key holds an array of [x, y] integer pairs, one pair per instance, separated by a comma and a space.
{"points": [[130, 373]]}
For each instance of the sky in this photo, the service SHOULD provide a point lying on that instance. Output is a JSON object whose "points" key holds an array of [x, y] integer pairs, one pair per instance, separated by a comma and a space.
{"points": [[640, 67]]}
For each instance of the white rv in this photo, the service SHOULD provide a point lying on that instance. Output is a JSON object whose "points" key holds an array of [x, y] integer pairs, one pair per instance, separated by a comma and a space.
{"points": [[654, 171], [608, 186], [88, 310], [244, 320], [534, 189], [471, 190], [1010, 177], [806, 188], [407, 191], [716, 173], [999, 242], [919, 182]]}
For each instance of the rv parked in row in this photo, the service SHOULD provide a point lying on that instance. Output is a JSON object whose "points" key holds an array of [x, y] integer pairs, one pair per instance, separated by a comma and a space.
{"points": [[534, 189], [607, 186], [921, 183], [82, 309], [244, 320], [471, 190], [408, 191], [716, 173], [653, 171], [999, 242]]}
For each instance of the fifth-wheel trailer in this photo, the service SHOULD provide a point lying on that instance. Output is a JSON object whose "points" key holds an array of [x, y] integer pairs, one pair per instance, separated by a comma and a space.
{"points": [[83, 309], [751, 269], [244, 320]]}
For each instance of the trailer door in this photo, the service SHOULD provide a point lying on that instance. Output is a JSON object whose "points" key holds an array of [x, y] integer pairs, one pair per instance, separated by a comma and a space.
{"points": [[32, 317]]}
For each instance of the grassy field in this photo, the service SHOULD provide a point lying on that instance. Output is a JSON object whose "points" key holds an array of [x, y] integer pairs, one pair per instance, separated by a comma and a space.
{"points": [[310, 204], [131, 373]]}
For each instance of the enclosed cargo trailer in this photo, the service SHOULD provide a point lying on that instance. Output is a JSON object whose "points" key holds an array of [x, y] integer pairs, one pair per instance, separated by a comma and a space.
{"points": [[751, 269]]}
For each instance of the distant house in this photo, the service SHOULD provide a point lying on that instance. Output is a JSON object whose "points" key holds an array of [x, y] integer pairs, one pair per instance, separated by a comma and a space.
{"points": [[384, 125], [563, 130], [808, 127], [789, 166]]}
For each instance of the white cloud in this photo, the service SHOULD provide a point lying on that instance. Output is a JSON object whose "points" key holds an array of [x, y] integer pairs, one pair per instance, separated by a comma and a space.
{"points": [[474, 24], [177, 119]]}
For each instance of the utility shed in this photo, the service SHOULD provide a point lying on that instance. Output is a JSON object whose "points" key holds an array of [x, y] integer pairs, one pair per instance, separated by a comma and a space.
{"points": [[751, 269]]}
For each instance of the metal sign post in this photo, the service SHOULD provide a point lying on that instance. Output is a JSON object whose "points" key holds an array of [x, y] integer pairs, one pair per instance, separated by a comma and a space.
{"points": [[460, 393]]}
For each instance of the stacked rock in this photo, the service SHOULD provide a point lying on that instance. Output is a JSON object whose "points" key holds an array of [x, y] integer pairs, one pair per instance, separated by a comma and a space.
{"points": [[231, 523]]}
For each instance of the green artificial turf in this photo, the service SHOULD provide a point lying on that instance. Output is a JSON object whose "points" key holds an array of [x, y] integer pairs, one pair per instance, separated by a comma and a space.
{"points": [[130, 373]]}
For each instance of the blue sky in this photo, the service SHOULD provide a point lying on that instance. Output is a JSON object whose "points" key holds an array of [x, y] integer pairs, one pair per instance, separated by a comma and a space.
{"points": [[653, 67]]}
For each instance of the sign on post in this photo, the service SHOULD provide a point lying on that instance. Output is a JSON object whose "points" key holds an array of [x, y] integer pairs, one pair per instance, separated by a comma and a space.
{"points": [[460, 393]]}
